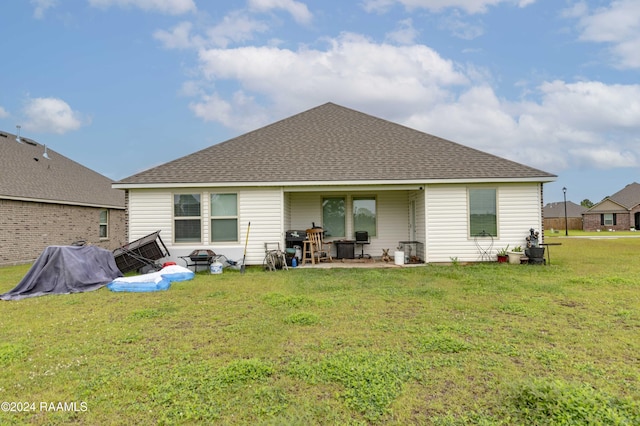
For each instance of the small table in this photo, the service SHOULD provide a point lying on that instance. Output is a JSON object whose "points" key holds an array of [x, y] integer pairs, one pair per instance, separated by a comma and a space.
{"points": [[549, 251]]}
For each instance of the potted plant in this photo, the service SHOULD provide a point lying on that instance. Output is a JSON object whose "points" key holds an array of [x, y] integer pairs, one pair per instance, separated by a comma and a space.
{"points": [[502, 254], [515, 255]]}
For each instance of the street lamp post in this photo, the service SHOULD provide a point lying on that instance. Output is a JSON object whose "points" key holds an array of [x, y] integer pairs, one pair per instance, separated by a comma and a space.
{"points": [[566, 224]]}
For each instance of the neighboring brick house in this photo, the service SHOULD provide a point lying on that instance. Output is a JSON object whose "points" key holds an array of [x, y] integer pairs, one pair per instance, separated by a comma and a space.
{"points": [[617, 212], [554, 216], [47, 199]]}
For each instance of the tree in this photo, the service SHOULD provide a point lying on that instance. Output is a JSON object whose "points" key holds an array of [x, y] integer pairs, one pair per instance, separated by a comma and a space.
{"points": [[586, 203]]}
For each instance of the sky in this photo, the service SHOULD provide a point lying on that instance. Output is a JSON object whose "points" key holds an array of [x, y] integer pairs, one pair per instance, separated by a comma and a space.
{"points": [[124, 85]]}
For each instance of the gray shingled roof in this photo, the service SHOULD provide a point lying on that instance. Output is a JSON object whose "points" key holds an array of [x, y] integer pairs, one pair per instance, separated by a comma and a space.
{"points": [[27, 175], [557, 209], [628, 197], [331, 143]]}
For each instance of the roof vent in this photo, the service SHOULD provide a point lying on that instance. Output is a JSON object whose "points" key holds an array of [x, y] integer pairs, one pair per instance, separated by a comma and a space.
{"points": [[45, 155], [18, 136]]}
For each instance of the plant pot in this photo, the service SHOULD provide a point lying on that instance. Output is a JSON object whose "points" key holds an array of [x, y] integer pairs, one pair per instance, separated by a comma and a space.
{"points": [[514, 257], [535, 252], [503, 258]]}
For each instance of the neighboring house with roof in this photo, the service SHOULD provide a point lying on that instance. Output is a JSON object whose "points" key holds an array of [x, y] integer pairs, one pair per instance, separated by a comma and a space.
{"points": [[47, 199], [345, 171], [554, 216], [617, 212]]}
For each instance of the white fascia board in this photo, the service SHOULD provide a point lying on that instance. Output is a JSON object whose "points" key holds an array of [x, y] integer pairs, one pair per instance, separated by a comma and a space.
{"points": [[387, 184]]}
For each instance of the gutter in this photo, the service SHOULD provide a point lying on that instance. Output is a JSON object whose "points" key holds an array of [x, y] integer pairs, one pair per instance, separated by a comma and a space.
{"points": [[389, 184]]}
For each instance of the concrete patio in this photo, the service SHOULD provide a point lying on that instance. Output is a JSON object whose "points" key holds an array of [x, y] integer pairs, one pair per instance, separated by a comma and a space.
{"points": [[358, 263]]}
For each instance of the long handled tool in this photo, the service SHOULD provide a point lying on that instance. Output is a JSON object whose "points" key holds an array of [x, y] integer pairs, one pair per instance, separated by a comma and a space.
{"points": [[244, 257]]}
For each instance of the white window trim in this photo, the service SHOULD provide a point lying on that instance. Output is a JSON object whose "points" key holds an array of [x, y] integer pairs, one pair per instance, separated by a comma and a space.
{"points": [[105, 224], [174, 217], [212, 217]]}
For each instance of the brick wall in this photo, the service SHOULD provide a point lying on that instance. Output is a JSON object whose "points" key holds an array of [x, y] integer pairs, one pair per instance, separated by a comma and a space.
{"points": [[26, 228], [624, 221]]}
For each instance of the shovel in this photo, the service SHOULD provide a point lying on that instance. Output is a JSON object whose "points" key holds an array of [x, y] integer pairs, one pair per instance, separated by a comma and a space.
{"points": [[244, 257]]}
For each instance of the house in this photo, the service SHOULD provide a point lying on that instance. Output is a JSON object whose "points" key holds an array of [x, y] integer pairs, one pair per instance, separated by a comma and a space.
{"points": [[617, 212], [346, 171], [554, 216], [47, 199]]}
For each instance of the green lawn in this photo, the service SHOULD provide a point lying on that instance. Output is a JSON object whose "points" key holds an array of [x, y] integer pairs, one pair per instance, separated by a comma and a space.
{"points": [[445, 345]]}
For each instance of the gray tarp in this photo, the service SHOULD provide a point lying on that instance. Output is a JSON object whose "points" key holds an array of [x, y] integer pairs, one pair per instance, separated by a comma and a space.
{"points": [[66, 269]]}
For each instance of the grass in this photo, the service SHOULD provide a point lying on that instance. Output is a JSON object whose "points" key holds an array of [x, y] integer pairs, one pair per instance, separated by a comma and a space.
{"points": [[486, 344]]}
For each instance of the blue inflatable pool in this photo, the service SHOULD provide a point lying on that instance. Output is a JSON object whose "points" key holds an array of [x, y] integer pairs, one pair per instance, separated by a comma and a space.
{"points": [[156, 281]]}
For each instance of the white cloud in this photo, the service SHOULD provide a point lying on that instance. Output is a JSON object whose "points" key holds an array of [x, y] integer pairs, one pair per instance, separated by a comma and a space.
{"points": [[459, 27], [581, 124], [3, 113], [405, 34], [179, 37], [468, 6], [617, 25], [477, 117], [557, 125], [607, 157], [592, 106], [236, 27], [297, 10], [171, 7], [50, 115], [41, 7], [241, 112], [352, 69]]}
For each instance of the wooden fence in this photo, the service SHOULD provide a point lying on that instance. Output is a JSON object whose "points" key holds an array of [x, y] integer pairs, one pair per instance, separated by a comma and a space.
{"points": [[557, 223]]}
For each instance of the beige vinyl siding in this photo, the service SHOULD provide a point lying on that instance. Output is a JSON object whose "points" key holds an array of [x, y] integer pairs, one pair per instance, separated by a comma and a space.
{"points": [[441, 218], [306, 207], [607, 206], [446, 222], [519, 209], [393, 222], [151, 210], [286, 211], [263, 207]]}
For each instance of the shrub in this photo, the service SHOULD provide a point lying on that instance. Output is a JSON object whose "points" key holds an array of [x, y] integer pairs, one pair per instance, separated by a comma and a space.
{"points": [[554, 402]]}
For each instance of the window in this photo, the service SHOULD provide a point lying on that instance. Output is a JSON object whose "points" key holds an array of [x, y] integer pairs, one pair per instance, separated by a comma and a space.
{"points": [[224, 217], [364, 215], [186, 212], [608, 219], [483, 218], [104, 223], [333, 217]]}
